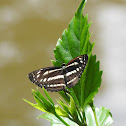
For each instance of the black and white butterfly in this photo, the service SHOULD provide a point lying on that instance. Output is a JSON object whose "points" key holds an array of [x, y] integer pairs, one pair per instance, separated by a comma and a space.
{"points": [[57, 78]]}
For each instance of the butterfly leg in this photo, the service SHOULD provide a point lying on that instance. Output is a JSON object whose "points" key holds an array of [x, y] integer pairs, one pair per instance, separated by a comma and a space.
{"points": [[66, 91]]}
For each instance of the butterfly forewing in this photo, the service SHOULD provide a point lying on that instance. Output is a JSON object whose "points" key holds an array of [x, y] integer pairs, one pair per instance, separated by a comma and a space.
{"points": [[74, 70], [51, 78], [57, 78]]}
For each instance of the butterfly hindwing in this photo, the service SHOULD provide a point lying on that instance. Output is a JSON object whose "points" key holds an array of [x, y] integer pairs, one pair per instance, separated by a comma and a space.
{"points": [[51, 78]]}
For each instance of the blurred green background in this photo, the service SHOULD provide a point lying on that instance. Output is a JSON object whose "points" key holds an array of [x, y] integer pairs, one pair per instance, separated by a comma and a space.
{"points": [[29, 30]]}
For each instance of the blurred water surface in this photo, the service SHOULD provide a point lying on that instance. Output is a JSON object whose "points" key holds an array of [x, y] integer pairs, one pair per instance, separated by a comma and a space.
{"points": [[29, 30]]}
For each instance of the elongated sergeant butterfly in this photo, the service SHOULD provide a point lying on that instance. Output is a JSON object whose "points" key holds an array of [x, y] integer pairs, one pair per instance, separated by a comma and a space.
{"points": [[57, 78]]}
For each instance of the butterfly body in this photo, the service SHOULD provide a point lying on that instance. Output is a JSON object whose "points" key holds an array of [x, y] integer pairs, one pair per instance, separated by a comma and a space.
{"points": [[57, 78]]}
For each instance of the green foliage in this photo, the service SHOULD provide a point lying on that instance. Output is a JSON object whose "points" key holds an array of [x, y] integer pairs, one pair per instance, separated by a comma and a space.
{"points": [[56, 122], [78, 108], [76, 42], [98, 117]]}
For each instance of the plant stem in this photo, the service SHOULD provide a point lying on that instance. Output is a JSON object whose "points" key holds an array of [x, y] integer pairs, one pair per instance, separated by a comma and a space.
{"points": [[61, 119], [95, 116], [79, 113]]}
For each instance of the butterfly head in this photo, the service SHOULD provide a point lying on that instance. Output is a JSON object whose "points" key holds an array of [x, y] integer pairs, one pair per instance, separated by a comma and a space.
{"points": [[63, 64]]}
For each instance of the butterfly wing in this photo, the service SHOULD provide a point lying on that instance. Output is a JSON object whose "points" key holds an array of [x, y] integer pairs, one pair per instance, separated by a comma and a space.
{"points": [[57, 78], [51, 78], [74, 70]]}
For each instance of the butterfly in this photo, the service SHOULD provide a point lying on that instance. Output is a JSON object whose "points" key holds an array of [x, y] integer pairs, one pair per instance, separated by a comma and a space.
{"points": [[58, 78]]}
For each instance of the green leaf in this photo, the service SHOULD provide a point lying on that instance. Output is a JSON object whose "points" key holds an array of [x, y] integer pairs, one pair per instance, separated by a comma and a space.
{"points": [[76, 42], [39, 101], [91, 81], [42, 102], [104, 117], [79, 12], [47, 95], [89, 100], [72, 108], [73, 113], [69, 47], [90, 118], [60, 111], [56, 122], [98, 117], [64, 106], [65, 96], [35, 105]]}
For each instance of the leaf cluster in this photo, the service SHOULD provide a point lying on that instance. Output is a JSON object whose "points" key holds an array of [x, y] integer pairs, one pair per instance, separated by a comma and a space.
{"points": [[78, 108]]}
